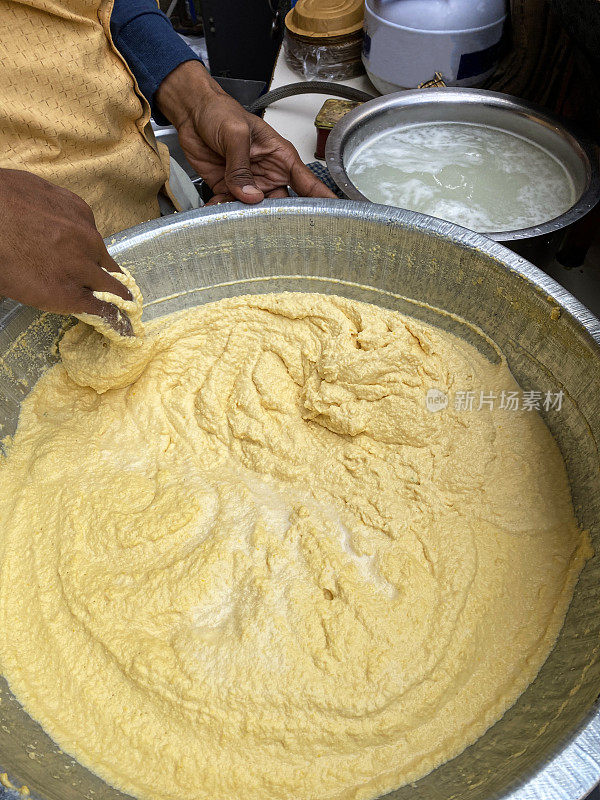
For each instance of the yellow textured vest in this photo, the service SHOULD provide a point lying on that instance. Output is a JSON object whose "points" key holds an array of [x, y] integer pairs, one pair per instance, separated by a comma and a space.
{"points": [[70, 110]]}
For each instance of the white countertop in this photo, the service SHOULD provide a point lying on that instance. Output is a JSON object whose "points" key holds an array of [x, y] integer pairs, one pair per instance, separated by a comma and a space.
{"points": [[294, 117]]}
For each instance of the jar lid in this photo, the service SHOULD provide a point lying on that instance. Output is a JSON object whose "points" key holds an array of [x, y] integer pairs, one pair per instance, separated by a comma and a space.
{"points": [[320, 18]]}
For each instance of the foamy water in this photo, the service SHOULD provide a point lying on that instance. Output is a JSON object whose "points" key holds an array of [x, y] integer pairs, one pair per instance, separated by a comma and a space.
{"points": [[482, 178]]}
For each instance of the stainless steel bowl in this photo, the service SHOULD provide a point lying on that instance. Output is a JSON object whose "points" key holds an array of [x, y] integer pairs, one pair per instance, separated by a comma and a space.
{"points": [[547, 747], [511, 114]]}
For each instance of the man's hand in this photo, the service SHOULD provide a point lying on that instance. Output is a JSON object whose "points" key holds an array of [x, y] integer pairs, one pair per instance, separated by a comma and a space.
{"points": [[51, 253], [237, 154]]}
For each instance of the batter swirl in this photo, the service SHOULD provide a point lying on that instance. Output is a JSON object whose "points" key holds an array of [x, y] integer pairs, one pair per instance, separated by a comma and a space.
{"points": [[242, 560]]}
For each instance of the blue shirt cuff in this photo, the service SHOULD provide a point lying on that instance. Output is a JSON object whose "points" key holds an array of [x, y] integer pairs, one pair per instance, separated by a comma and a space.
{"points": [[146, 40]]}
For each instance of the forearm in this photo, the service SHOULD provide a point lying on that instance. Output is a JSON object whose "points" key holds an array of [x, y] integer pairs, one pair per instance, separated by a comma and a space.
{"points": [[152, 49], [185, 91]]}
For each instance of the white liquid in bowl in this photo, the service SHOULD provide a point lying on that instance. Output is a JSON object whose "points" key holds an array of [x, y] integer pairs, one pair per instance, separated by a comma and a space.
{"points": [[479, 177]]}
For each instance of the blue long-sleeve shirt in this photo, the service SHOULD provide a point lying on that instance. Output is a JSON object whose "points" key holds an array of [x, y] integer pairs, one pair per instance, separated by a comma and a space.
{"points": [[145, 38]]}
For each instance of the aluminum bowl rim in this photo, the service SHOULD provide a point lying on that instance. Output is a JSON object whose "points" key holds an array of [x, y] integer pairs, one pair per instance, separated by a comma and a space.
{"points": [[450, 95], [120, 242]]}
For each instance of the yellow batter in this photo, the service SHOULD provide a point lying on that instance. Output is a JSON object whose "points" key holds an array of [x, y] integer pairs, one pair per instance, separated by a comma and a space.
{"points": [[249, 564]]}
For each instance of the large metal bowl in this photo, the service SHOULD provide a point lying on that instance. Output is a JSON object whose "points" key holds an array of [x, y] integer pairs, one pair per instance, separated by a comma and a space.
{"points": [[453, 104], [547, 747]]}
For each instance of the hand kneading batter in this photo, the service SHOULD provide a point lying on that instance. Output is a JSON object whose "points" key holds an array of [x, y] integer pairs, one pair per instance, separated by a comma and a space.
{"points": [[241, 560]]}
